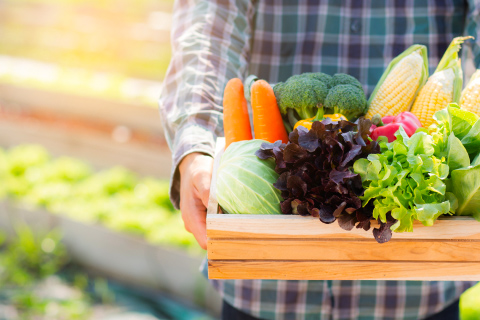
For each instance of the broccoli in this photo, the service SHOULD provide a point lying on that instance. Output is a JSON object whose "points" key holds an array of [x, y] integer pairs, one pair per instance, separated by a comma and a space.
{"points": [[304, 94], [320, 76], [310, 95], [343, 78], [346, 99]]}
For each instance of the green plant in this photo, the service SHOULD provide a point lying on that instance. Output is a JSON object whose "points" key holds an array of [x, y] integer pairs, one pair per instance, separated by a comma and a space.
{"points": [[31, 257], [115, 197], [28, 260]]}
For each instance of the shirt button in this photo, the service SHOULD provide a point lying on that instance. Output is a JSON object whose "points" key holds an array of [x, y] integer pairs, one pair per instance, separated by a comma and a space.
{"points": [[355, 26]]}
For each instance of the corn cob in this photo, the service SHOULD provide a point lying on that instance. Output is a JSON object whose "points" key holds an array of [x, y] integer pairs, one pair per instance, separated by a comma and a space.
{"points": [[443, 87], [470, 99], [400, 82]]}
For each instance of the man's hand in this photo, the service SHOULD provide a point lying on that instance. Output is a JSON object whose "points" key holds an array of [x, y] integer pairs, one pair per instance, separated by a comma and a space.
{"points": [[195, 176]]}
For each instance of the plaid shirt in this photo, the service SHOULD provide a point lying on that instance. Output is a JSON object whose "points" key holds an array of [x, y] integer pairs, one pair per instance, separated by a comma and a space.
{"points": [[214, 41]]}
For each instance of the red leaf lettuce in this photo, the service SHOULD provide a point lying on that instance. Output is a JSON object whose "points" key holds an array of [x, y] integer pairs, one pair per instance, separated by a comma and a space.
{"points": [[315, 172]]}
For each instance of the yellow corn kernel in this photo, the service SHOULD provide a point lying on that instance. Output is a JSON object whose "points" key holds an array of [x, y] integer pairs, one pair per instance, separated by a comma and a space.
{"points": [[397, 92], [436, 94], [470, 99]]}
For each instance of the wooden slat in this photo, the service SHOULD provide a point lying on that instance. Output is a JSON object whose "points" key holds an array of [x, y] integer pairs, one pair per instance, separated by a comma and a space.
{"points": [[212, 200], [229, 226], [343, 270], [355, 250]]}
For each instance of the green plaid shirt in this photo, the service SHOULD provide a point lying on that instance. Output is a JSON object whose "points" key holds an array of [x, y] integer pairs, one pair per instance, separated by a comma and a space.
{"points": [[214, 41]]}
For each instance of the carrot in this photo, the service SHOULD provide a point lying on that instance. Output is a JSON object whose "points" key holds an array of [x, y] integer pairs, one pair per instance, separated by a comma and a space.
{"points": [[267, 120], [236, 122]]}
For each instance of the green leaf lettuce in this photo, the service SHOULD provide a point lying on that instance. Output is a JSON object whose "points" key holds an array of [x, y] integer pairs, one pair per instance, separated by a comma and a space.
{"points": [[465, 183], [408, 180]]}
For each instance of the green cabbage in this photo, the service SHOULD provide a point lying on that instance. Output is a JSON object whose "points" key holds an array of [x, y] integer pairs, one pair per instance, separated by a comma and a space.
{"points": [[245, 183]]}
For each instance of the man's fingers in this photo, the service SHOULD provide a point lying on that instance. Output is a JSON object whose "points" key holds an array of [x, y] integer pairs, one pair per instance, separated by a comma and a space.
{"points": [[194, 216], [185, 219], [203, 180], [200, 232], [201, 185], [204, 190], [195, 173]]}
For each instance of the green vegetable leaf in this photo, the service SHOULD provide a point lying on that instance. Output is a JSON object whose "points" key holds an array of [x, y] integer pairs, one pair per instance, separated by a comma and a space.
{"points": [[476, 160], [457, 155], [471, 141], [361, 166], [429, 212], [456, 120], [465, 184], [404, 218], [418, 143], [407, 180], [401, 135], [442, 117], [453, 200], [462, 120]]}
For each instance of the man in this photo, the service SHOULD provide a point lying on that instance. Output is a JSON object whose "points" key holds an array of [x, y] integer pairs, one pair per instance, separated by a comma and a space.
{"points": [[214, 41]]}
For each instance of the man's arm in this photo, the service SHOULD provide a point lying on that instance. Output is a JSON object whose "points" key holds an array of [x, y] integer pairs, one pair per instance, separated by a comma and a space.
{"points": [[210, 44]]}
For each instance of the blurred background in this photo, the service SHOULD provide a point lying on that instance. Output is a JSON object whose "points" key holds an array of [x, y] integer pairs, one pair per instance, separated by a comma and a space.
{"points": [[87, 230], [86, 227]]}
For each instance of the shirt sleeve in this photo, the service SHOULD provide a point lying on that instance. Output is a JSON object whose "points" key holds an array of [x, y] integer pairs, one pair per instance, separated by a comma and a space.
{"points": [[472, 27], [210, 45]]}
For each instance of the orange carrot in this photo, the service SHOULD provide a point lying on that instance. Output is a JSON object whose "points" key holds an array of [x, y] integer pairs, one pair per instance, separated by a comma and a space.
{"points": [[267, 120], [236, 122]]}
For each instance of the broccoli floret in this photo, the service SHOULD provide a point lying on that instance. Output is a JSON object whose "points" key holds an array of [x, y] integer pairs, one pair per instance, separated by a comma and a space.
{"points": [[301, 93], [314, 94], [343, 78], [346, 99], [320, 76]]}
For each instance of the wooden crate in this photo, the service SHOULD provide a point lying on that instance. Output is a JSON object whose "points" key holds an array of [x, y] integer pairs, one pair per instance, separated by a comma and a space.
{"points": [[293, 247]]}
